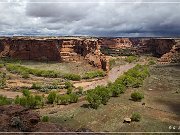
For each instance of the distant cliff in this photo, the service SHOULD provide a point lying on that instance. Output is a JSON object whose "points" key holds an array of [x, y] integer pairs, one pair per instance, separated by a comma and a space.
{"points": [[93, 50], [54, 49]]}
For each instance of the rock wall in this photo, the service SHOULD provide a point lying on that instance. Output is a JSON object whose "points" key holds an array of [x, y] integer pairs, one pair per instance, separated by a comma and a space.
{"points": [[83, 48], [123, 46], [157, 47], [54, 49], [173, 56]]}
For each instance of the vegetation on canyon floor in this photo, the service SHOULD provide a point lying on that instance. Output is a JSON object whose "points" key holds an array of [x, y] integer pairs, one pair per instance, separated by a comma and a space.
{"points": [[161, 101], [132, 78], [96, 97], [109, 113], [16, 67]]}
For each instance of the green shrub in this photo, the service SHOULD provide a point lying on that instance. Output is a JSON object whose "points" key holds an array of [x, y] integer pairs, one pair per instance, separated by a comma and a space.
{"points": [[51, 97], [94, 99], [25, 75], [63, 99], [131, 59], [94, 74], [2, 80], [132, 78], [73, 77], [4, 100], [23, 101], [39, 101], [137, 96], [68, 85], [29, 101], [69, 90], [130, 81], [1, 65], [97, 96], [26, 93], [17, 100], [103, 93], [36, 86], [73, 98], [117, 89], [14, 68], [151, 62], [80, 90], [136, 117], [45, 119]]}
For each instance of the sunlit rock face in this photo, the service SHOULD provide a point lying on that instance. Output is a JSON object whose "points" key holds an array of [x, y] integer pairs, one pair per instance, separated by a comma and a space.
{"points": [[93, 50], [54, 49]]}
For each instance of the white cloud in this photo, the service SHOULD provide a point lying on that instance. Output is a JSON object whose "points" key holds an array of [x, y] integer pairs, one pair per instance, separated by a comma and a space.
{"points": [[100, 18]]}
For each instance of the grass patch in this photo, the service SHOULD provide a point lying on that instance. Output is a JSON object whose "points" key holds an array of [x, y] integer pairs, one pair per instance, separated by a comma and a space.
{"points": [[4, 100], [94, 74], [131, 59], [18, 69], [2, 79], [45, 119]]}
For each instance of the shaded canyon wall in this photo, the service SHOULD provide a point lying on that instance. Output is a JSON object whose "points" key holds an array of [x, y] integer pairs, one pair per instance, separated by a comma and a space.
{"points": [[166, 49]]}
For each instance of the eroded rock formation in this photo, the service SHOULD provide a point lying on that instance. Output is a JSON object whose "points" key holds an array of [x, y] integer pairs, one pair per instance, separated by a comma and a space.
{"points": [[54, 49], [167, 49], [116, 46], [155, 46], [93, 50], [172, 56]]}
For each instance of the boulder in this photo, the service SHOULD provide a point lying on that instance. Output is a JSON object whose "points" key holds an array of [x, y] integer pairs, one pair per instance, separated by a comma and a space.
{"points": [[127, 120]]}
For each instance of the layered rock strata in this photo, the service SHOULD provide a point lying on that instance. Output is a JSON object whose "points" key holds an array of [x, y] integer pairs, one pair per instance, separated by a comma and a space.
{"points": [[54, 49]]}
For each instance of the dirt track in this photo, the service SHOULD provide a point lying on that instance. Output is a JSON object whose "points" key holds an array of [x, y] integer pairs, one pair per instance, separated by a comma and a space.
{"points": [[112, 76]]}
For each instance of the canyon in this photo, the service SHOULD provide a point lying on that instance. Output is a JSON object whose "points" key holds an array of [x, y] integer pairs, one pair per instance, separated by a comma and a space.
{"points": [[93, 50]]}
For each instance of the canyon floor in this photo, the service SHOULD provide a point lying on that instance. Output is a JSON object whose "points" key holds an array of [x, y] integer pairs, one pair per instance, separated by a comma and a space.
{"points": [[159, 109]]}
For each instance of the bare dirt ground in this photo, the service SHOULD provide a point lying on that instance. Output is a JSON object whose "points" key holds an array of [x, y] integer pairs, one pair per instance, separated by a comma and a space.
{"points": [[10, 94], [72, 67]]}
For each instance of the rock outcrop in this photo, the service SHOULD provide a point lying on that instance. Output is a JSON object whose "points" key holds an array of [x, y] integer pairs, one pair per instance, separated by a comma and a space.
{"points": [[173, 56], [54, 49], [93, 50], [155, 46], [167, 49], [116, 46], [15, 118]]}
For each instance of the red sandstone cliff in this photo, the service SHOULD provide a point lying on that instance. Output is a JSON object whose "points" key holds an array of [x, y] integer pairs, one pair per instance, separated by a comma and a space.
{"points": [[128, 46], [173, 55], [54, 49], [116, 43]]}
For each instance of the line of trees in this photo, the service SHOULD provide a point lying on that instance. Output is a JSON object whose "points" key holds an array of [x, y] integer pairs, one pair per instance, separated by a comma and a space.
{"points": [[132, 78]]}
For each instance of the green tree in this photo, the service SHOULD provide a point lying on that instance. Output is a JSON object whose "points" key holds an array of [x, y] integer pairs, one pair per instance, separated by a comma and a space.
{"points": [[51, 97], [94, 99]]}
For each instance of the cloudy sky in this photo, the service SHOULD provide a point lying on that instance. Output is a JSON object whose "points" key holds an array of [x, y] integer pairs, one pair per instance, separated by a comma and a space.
{"points": [[90, 17]]}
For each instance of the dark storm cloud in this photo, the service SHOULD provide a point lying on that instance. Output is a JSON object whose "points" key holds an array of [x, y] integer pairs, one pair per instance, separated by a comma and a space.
{"points": [[98, 18]]}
